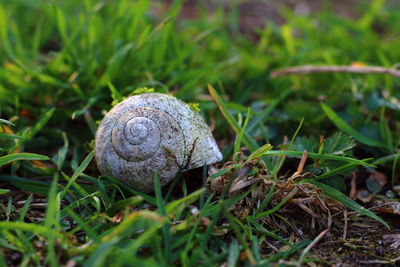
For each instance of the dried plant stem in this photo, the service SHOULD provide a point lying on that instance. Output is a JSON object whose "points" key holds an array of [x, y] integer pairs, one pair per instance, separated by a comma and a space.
{"points": [[345, 227], [313, 243], [301, 165], [353, 190], [345, 69]]}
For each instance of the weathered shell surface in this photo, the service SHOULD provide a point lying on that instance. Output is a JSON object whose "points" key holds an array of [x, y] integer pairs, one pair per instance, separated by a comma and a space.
{"points": [[150, 133]]}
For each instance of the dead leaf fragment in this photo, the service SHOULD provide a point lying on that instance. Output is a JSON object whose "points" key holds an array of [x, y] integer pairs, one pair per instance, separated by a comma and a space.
{"points": [[390, 208], [118, 217]]}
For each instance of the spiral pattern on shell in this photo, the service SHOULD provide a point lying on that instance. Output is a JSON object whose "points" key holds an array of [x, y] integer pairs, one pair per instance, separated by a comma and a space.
{"points": [[138, 134], [151, 133]]}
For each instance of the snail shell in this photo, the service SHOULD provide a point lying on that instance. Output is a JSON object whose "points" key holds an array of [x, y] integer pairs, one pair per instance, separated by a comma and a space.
{"points": [[150, 133]]}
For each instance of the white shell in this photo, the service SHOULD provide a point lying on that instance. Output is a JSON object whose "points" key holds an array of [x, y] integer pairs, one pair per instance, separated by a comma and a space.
{"points": [[150, 133]]}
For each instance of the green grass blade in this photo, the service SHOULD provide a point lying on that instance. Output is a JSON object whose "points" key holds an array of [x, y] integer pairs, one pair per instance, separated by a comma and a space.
{"points": [[145, 236], [52, 220], [259, 152], [296, 132], [385, 131], [83, 165], [85, 227], [98, 257], [4, 36], [61, 23], [78, 172], [75, 185], [2, 259], [4, 191], [125, 227], [119, 205], [370, 15], [62, 153], [115, 94], [38, 126], [384, 159], [248, 141], [28, 135], [239, 234], [3, 121], [21, 156], [239, 137], [10, 136], [342, 125], [225, 170], [260, 229], [25, 208], [172, 207], [146, 197], [316, 156], [30, 185], [115, 62], [163, 212], [267, 198], [29, 227], [53, 205], [338, 170], [394, 169], [343, 199], [275, 208]]}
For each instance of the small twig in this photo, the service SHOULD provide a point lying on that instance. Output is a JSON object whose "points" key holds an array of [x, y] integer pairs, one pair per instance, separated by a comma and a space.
{"points": [[346, 69], [313, 243], [388, 261], [323, 205], [353, 190], [345, 227], [36, 205], [271, 246]]}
